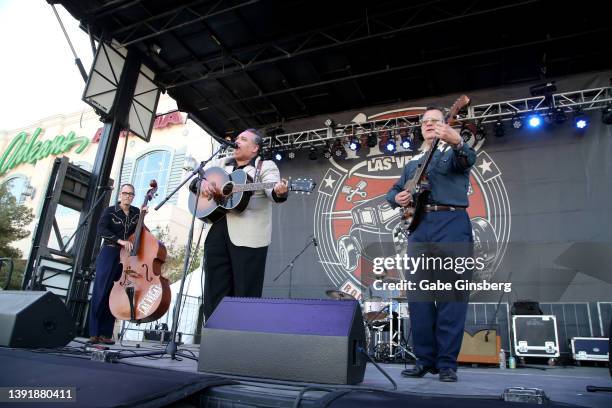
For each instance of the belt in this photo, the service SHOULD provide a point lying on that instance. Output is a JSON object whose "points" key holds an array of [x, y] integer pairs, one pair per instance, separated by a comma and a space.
{"points": [[440, 207], [111, 244]]}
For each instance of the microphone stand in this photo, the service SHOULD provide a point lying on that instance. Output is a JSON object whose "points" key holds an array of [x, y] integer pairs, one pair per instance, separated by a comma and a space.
{"points": [[86, 218], [291, 264], [172, 347]]}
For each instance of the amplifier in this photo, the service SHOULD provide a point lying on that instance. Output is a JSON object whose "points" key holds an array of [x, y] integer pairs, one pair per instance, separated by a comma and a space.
{"points": [[480, 345], [590, 348], [535, 336]]}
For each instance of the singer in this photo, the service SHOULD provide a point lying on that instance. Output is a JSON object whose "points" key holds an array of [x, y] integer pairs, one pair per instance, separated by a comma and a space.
{"points": [[236, 246]]}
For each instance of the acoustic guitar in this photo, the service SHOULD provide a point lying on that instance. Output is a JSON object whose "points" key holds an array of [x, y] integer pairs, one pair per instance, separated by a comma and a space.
{"points": [[235, 192]]}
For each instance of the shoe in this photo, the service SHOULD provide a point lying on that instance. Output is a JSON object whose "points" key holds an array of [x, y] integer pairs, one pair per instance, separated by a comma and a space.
{"points": [[105, 340], [419, 371], [448, 375]]}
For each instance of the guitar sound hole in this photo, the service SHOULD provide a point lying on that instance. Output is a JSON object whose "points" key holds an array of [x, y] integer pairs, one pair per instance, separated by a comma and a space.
{"points": [[228, 188]]}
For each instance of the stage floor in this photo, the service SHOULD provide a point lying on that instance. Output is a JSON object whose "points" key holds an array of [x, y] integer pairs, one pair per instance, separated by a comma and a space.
{"points": [[561, 384]]}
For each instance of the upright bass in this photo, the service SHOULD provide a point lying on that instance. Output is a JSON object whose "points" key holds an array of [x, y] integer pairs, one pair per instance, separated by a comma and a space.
{"points": [[142, 294]]}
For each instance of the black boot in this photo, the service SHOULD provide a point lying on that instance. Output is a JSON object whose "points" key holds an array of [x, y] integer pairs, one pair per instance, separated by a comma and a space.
{"points": [[419, 371], [448, 375]]}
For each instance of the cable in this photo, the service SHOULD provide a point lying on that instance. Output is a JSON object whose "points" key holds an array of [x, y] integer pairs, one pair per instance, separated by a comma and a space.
{"points": [[59, 20], [300, 395], [362, 351], [77, 60]]}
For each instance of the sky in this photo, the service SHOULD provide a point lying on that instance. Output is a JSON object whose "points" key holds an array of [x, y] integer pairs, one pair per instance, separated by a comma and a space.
{"points": [[39, 76]]}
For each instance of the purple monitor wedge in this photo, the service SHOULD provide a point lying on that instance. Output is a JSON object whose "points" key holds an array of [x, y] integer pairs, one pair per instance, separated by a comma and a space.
{"points": [[308, 340]]}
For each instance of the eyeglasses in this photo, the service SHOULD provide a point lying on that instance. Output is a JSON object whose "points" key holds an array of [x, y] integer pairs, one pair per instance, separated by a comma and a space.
{"points": [[127, 194], [432, 120]]}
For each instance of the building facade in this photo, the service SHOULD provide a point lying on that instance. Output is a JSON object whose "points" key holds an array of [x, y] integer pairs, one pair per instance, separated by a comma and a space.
{"points": [[176, 145]]}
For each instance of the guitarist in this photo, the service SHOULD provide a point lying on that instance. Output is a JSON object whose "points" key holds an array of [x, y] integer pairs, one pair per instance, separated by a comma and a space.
{"points": [[438, 318], [236, 246]]}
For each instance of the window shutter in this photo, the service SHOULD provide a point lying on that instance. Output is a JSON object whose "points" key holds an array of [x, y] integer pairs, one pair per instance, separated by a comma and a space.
{"points": [[176, 172]]}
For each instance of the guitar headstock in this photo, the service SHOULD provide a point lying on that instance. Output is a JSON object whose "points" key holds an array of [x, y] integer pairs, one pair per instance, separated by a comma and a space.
{"points": [[459, 104], [304, 186]]}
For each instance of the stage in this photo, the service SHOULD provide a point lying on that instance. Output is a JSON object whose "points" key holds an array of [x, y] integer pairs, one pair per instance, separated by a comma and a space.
{"points": [[476, 387]]}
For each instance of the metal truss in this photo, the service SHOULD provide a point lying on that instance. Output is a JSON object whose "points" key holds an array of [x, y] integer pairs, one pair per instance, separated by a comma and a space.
{"points": [[583, 100]]}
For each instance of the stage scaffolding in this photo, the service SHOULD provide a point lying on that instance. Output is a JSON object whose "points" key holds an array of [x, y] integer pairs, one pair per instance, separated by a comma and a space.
{"points": [[545, 105]]}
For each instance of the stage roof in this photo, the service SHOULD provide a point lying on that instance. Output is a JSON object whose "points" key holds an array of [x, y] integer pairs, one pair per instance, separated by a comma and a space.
{"points": [[247, 63]]}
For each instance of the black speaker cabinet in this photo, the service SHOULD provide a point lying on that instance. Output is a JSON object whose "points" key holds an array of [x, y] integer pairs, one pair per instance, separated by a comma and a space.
{"points": [[287, 339], [34, 320]]}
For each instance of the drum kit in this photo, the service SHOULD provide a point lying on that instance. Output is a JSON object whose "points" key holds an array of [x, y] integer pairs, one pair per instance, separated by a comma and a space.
{"points": [[383, 319]]}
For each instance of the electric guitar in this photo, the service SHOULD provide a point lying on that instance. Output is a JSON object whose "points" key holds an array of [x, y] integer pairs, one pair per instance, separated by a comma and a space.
{"points": [[418, 186], [235, 190]]}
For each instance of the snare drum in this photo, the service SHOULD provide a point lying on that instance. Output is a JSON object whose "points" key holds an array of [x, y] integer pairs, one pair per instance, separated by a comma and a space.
{"points": [[373, 306]]}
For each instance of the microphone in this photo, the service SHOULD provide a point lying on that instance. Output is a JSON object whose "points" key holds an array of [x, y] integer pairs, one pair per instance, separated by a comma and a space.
{"points": [[314, 241], [231, 144]]}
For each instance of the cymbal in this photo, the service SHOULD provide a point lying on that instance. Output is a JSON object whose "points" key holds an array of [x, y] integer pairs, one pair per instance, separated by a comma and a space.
{"points": [[339, 295]]}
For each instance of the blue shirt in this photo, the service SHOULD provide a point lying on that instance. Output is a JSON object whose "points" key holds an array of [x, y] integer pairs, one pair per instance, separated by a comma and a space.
{"points": [[448, 174]]}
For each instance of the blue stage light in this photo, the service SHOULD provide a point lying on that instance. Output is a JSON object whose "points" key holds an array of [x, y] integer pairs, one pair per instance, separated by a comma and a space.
{"points": [[406, 143], [354, 144], [581, 123], [390, 146], [534, 121], [278, 156]]}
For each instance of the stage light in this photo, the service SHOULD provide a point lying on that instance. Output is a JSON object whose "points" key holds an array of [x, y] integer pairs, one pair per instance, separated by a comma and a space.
{"points": [[327, 154], [372, 140], [278, 156], [580, 120], [606, 114], [291, 155], [338, 150], [534, 121], [354, 144], [465, 133], [330, 123], [548, 118], [406, 142], [500, 131], [390, 145], [312, 153], [480, 132], [517, 122], [559, 116]]}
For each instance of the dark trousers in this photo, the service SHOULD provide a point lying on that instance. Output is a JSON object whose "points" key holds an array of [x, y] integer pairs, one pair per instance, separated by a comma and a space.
{"points": [[108, 270], [438, 318], [230, 270]]}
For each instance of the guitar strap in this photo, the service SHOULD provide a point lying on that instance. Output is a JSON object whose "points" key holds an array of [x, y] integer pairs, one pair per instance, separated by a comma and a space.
{"points": [[258, 170]]}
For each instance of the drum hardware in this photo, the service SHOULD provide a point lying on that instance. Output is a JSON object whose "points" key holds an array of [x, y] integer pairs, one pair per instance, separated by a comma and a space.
{"points": [[339, 295], [387, 318]]}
